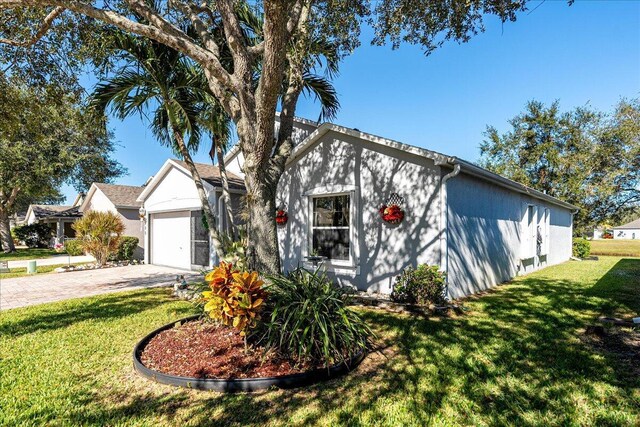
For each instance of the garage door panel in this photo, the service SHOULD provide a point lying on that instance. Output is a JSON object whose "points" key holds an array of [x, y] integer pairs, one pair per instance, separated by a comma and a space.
{"points": [[171, 239]]}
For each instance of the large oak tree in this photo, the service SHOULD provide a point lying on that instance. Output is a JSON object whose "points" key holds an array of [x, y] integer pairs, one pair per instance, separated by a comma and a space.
{"points": [[585, 157], [280, 54], [47, 138]]}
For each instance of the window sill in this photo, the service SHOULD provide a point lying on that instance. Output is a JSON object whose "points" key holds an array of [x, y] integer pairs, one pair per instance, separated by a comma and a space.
{"points": [[346, 269]]}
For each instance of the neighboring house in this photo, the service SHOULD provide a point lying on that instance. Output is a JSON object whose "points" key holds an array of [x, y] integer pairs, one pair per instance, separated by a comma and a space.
{"points": [[121, 200], [627, 231], [480, 228], [17, 219], [59, 217], [176, 233]]}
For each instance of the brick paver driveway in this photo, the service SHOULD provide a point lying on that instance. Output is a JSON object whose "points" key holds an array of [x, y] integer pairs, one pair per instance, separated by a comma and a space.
{"points": [[38, 289]]}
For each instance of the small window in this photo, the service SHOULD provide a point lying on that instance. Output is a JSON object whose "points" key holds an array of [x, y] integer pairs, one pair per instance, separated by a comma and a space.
{"points": [[330, 227]]}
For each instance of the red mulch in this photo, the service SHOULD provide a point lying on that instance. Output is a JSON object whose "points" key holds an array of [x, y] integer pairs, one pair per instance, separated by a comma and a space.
{"points": [[203, 350]]}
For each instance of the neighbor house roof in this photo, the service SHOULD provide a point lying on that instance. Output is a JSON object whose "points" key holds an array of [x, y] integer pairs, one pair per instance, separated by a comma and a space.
{"points": [[210, 174], [631, 225], [54, 211], [122, 196]]}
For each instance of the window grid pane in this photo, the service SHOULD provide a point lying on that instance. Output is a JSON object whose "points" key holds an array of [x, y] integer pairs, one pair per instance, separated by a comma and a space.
{"points": [[331, 227]]}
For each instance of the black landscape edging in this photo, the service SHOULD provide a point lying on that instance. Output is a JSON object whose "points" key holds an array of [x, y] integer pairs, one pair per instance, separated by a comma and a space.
{"points": [[240, 384]]}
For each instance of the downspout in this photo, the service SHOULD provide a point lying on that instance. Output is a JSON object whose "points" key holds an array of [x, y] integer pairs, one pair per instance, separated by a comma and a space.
{"points": [[444, 219]]}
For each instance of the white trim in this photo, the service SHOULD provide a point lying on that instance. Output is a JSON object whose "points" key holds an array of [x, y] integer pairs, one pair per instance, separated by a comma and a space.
{"points": [[350, 266]]}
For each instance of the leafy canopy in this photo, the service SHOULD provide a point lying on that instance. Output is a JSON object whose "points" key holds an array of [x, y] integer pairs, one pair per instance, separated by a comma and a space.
{"points": [[585, 157]]}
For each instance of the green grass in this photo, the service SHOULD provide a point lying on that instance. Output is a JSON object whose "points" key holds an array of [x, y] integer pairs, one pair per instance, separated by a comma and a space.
{"points": [[616, 247], [21, 254], [40, 269], [515, 358]]}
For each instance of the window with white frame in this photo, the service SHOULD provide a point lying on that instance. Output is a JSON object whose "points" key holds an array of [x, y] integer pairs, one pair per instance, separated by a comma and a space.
{"points": [[330, 226], [528, 241], [544, 224]]}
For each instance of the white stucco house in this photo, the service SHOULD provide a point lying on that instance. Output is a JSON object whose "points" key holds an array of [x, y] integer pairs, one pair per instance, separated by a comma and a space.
{"points": [[121, 200], [627, 231], [481, 228]]}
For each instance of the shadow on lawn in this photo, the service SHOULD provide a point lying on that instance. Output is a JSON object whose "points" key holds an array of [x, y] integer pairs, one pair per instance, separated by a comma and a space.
{"points": [[514, 359], [103, 307]]}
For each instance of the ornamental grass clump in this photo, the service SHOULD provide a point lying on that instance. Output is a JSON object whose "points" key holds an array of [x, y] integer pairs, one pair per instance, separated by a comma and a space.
{"points": [[99, 234], [236, 298], [308, 320]]}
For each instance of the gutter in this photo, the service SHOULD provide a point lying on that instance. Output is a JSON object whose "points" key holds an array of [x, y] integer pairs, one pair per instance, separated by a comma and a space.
{"points": [[444, 217]]}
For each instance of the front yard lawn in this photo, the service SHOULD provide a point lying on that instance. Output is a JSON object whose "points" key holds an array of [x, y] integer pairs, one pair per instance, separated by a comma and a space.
{"points": [[30, 253], [40, 269], [616, 247], [518, 357]]}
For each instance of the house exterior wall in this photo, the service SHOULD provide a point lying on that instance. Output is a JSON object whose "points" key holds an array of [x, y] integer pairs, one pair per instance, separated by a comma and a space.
{"points": [[626, 233], [175, 192], [301, 130], [485, 235], [369, 173], [129, 216]]}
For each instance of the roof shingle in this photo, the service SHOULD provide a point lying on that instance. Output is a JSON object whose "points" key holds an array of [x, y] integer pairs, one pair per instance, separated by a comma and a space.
{"points": [[121, 195], [211, 174]]}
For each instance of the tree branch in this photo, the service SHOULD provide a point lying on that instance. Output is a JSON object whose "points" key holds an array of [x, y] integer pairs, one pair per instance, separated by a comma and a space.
{"points": [[159, 30], [46, 24]]}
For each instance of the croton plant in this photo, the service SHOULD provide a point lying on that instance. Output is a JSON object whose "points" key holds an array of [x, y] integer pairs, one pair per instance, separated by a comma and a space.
{"points": [[236, 298]]}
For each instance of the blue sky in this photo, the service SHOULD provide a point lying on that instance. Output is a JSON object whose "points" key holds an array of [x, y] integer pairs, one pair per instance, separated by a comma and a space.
{"points": [[588, 53]]}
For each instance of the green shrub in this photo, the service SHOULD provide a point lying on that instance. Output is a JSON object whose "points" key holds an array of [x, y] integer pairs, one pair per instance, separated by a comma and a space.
{"points": [[36, 235], [73, 247], [126, 248], [307, 318], [100, 234], [423, 285], [581, 248]]}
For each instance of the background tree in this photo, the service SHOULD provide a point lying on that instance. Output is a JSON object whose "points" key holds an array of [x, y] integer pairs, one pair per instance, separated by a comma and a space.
{"points": [[585, 157], [281, 52], [47, 138]]}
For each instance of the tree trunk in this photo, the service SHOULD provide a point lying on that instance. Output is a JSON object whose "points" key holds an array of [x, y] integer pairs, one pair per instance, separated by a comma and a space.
{"points": [[262, 235], [208, 212], [5, 233], [225, 187]]}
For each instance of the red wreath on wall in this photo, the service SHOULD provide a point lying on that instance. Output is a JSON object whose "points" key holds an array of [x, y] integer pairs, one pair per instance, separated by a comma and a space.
{"points": [[281, 217], [392, 212]]}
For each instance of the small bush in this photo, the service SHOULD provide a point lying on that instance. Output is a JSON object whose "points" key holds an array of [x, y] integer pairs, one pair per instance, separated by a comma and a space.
{"points": [[307, 318], [36, 235], [581, 248], [100, 234], [73, 247], [423, 285], [126, 248], [235, 298]]}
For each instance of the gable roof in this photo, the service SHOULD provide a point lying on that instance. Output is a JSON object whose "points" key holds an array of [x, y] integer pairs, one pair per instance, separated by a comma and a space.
{"points": [[124, 196], [631, 225], [54, 211], [210, 174], [438, 158]]}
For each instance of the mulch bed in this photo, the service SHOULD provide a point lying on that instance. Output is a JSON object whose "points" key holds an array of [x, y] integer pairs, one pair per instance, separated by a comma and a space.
{"points": [[200, 349]]}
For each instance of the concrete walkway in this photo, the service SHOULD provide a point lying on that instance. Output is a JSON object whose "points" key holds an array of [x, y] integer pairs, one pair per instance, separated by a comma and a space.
{"points": [[54, 260], [42, 288]]}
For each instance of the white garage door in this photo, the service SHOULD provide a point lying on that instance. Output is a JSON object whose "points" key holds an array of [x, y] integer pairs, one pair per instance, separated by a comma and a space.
{"points": [[171, 239]]}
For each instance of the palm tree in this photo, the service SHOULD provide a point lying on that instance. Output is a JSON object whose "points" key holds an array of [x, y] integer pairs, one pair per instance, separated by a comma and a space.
{"points": [[157, 79]]}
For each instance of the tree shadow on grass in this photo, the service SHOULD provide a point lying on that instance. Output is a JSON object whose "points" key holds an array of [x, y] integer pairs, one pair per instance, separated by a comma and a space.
{"points": [[103, 307], [514, 359]]}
